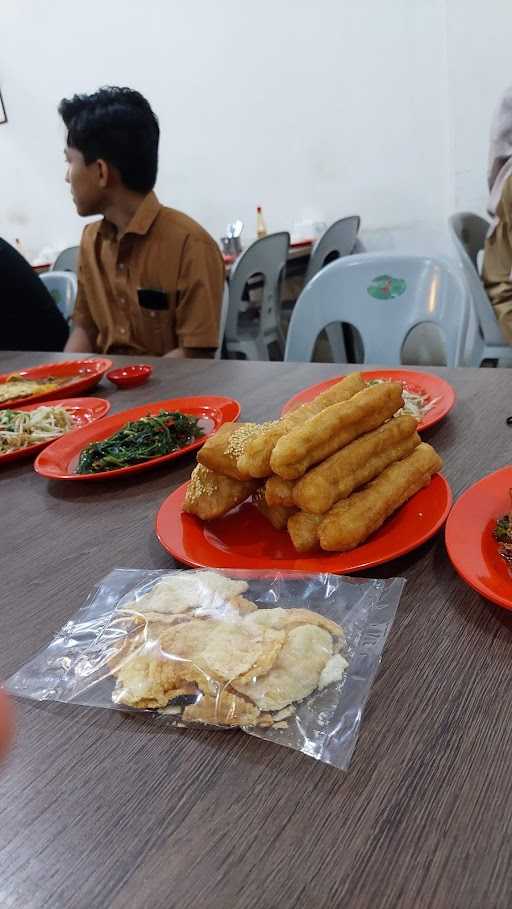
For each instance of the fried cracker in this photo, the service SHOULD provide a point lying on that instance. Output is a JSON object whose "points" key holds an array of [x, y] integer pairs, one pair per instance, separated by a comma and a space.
{"points": [[296, 672], [227, 709], [291, 618], [178, 593]]}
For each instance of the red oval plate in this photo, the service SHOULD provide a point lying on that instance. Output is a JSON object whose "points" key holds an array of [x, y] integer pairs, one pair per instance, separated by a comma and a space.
{"points": [[81, 375], [83, 410], [245, 539], [424, 383], [59, 460], [469, 541]]}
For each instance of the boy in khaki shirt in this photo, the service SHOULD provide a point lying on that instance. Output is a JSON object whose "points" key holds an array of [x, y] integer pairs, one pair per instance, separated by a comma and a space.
{"points": [[150, 279]]}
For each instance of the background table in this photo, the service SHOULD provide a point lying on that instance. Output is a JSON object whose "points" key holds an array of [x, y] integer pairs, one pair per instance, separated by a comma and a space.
{"points": [[100, 809]]}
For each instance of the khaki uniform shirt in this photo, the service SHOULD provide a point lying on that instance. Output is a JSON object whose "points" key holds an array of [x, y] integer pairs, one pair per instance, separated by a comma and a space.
{"points": [[160, 250], [497, 264]]}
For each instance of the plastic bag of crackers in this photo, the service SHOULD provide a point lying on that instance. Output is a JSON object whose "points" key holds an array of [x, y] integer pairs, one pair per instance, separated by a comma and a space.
{"points": [[288, 658], [329, 472]]}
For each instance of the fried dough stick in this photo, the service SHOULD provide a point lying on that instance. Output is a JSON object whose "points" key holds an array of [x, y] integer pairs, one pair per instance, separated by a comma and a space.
{"points": [[210, 495], [333, 428], [355, 465], [343, 390], [353, 520], [277, 514], [279, 492], [254, 461], [303, 529], [221, 451]]}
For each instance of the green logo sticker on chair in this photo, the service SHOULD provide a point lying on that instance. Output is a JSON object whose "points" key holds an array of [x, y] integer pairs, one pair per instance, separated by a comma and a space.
{"points": [[385, 287]]}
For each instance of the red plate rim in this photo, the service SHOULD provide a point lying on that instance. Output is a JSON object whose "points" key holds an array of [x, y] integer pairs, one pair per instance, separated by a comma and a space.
{"points": [[411, 378], [91, 403], [226, 409], [474, 551], [82, 383], [171, 522]]}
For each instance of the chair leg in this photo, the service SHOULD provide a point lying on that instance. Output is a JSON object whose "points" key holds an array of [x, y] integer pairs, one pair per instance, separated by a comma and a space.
{"points": [[252, 349], [336, 340]]}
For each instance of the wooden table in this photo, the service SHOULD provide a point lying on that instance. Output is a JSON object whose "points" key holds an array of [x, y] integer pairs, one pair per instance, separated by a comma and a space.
{"points": [[99, 809]]}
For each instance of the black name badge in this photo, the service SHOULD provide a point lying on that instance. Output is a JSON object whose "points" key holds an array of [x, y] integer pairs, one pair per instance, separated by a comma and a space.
{"points": [[153, 299]]}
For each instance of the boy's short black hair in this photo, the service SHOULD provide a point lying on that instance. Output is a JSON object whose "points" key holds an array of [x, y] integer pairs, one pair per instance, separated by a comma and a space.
{"points": [[118, 125]]}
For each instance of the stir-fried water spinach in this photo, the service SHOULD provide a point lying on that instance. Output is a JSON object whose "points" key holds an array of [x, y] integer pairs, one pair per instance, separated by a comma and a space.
{"points": [[150, 437]]}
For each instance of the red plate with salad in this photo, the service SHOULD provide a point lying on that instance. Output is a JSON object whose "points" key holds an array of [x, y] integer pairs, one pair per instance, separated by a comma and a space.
{"points": [[25, 431], [427, 396], [479, 537], [136, 439], [51, 380]]}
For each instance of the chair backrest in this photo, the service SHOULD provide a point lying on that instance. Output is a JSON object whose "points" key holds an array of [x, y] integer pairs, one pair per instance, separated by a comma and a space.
{"points": [[67, 260], [267, 257], [337, 241], [223, 317], [63, 287], [468, 233], [384, 297]]}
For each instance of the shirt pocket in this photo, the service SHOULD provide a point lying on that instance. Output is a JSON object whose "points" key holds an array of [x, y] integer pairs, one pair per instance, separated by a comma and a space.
{"points": [[158, 327]]}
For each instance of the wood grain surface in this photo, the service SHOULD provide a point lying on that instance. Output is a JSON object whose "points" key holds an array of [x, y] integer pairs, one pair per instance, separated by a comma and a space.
{"points": [[100, 809]]}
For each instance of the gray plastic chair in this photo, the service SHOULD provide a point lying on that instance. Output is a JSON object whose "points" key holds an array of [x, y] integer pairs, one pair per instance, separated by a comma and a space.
{"points": [[67, 260], [384, 297], [337, 241], [468, 232], [223, 318], [251, 337], [63, 287]]}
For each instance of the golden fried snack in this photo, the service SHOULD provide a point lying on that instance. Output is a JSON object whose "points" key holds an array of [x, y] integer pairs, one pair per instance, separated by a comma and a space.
{"points": [[296, 671], [276, 514], [333, 428], [343, 390], [290, 618], [225, 709], [303, 529], [356, 464], [221, 451], [279, 492], [352, 520], [210, 495], [254, 461]]}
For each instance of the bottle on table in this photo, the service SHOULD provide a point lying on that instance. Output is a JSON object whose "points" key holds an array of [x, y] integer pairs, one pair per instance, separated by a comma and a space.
{"points": [[261, 227]]}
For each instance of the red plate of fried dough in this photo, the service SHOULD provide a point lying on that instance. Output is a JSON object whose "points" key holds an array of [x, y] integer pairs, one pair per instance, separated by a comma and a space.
{"points": [[340, 483]]}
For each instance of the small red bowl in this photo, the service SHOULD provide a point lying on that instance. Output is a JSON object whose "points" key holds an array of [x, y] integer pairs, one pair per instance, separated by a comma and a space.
{"points": [[129, 376]]}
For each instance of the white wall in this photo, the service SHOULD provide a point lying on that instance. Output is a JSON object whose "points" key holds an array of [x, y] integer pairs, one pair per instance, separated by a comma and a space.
{"points": [[313, 110], [480, 68]]}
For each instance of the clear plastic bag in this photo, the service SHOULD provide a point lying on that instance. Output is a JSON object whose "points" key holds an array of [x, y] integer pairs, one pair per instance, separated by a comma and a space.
{"points": [[201, 647]]}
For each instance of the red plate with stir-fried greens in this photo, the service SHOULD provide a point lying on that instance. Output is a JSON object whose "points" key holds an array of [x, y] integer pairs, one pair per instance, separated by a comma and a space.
{"points": [[136, 439], [478, 536]]}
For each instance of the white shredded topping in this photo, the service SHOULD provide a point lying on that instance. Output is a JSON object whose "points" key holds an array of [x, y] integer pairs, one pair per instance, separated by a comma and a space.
{"points": [[416, 405], [19, 429]]}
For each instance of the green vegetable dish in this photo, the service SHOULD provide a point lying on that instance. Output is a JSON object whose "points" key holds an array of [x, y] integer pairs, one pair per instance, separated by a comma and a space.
{"points": [[141, 440], [503, 535]]}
